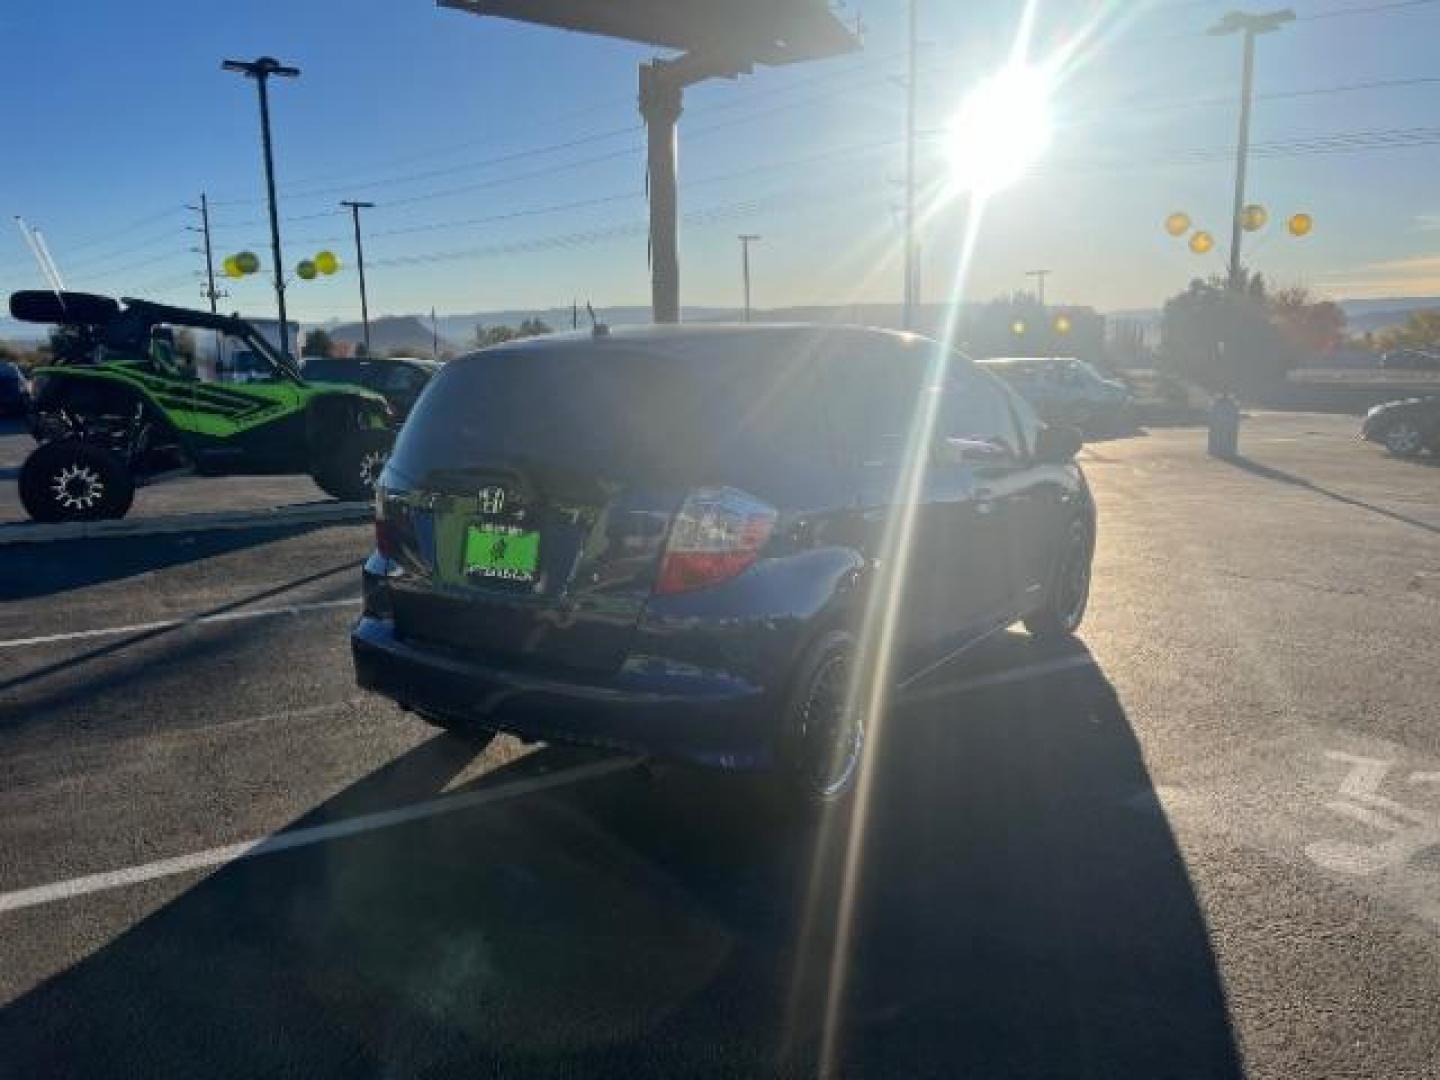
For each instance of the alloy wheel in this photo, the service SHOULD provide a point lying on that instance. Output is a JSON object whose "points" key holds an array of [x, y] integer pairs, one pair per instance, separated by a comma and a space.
{"points": [[1403, 439], [78, 487], [832, 735]]}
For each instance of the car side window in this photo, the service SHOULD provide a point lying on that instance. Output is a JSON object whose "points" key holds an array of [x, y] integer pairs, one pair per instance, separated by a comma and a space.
{"points": [[402, 380], [874, 394], [976, 409], [1027, 420]]}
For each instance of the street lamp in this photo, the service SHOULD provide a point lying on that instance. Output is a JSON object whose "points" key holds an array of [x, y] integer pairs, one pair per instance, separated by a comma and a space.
{"points": [[746, 239], [1238, 22], [260, 70]]}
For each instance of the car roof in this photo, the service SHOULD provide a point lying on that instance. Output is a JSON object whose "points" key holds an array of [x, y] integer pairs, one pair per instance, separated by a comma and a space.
{"points": [[698, 339]]}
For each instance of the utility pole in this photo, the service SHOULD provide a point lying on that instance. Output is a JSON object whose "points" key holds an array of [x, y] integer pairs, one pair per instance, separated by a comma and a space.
{"points": [[745, 240], [355, 208], [1237, 22], [1039, 276], [260, 70], [204, 211], [910, 79], [434, 337]]}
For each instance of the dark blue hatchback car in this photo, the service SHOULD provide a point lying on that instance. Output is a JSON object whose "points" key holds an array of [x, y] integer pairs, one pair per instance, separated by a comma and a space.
{"points": [[664, 539]]}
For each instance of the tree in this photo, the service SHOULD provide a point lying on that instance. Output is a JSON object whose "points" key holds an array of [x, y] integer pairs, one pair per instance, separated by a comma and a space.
{"points": [[493, 335], [533, 328], [1314, 326], [317, 343], [1245, 340], [1421, 331]]}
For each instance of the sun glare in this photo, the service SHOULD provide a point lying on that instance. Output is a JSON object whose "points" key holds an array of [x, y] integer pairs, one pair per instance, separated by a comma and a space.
{"points": [[1002, 128]]}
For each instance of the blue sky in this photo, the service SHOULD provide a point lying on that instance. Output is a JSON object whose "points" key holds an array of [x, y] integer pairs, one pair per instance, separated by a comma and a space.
{"points": [[507, 160]]}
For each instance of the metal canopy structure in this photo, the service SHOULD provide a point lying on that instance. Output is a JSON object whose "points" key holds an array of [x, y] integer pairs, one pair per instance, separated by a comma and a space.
{"points": [[716, 38]]}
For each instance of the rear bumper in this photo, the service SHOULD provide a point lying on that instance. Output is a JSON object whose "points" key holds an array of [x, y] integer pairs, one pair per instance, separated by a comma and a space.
{"points": [[647, 707]]}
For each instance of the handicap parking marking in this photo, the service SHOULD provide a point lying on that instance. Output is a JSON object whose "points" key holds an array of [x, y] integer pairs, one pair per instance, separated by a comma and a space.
{"points": [[305, 837], [1407, 833], [172, 624]]}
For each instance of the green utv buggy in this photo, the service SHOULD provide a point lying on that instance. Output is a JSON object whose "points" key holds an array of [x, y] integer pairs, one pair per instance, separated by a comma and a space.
{"points": [[126, 400]]}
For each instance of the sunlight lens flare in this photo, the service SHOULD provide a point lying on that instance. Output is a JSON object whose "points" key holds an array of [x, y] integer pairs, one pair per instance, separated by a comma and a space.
{"points": [[1002, 128]]}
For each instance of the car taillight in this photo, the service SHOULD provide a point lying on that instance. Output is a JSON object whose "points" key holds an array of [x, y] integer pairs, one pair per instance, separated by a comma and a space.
{"points": [[394, 529], [717, 534]]}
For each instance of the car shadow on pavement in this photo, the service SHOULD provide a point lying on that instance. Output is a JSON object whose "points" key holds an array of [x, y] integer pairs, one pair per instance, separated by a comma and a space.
{"points": [[1022, 909], [340, 590], [36, 570], [1270, 473]]}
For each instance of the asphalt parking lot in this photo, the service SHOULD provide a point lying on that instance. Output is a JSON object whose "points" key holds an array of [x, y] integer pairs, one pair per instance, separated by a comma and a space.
{"points": [[1202, 841]]}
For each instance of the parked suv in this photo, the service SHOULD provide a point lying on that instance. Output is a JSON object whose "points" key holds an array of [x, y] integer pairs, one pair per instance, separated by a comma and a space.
{"points": [[663, 539], [1066, 390], [399, 378], [1406, 428]]}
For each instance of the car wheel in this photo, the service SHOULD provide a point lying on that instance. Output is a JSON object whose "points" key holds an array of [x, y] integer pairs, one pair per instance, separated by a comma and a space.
{"points": [[1068, 594], [824, 729], [1403, 439], [68, 480], [350, 473]]}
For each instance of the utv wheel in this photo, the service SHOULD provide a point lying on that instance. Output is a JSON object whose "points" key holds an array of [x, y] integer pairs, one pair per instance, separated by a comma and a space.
{"points": [[350, 472], [1403, 439], [1068, 593], [68, 480], [824, 730]]}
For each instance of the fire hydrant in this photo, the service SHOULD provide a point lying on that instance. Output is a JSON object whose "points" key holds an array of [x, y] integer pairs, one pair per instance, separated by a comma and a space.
{"points": [[1224, 427]]}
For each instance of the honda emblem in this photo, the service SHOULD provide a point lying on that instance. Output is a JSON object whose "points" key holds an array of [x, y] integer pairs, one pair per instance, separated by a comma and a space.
{"points": [[491, 500]]}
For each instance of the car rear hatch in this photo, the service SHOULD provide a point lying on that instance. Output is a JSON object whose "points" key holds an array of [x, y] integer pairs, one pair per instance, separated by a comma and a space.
{"points": [[532, 492]]}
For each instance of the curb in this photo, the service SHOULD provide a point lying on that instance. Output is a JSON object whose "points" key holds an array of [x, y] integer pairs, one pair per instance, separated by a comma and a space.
{"points": [[271, 517]]}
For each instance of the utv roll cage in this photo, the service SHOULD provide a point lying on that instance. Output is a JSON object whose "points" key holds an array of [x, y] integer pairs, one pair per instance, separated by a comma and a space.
{"points": [[126, 324]]}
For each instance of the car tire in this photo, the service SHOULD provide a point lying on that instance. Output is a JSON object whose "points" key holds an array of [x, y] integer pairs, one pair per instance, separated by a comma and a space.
{"points": [[1068, 593], [69, 480], [824, 733], [349, 473], [1403, 439]]}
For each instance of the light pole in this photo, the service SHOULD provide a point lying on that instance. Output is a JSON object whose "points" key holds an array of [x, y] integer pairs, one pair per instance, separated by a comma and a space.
{"points": [[355, 208], [260, 70], [745, 240], [911, 75], [1238, 22]]}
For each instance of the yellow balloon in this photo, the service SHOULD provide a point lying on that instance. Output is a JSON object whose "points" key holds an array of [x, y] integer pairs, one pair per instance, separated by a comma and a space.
{"points": [[248, 262], [231, 267], [305, 268], [326, 262], [1201, 242], [1018, 326], [1062, 324], [1253, 217], [1301, 224], [1178, 223]]}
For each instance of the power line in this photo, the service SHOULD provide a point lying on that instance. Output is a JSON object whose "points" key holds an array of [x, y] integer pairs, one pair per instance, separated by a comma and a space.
{"points": [[1370, 9]]}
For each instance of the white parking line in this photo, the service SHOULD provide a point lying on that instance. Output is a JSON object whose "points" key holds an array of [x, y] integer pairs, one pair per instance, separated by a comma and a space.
{"points": [[317, 834], [168, 624]]}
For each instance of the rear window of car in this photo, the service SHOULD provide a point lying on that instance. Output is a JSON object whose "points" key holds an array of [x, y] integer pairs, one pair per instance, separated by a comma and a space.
{"points": [[712, 417]]}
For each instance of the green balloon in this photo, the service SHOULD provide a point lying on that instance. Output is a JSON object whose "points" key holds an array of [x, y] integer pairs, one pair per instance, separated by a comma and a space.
{"points": [[248, 262], [306, 269]]}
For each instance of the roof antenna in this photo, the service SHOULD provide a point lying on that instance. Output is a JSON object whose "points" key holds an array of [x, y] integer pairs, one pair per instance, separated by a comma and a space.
{"points": [[36, 243], [597, 328]]}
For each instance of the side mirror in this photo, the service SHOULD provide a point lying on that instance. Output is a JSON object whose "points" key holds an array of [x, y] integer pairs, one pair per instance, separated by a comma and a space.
{"points": [[1057, 443]]}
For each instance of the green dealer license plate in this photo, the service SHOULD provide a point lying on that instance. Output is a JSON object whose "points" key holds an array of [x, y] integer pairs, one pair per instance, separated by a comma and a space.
{"points": [[497, 553]]}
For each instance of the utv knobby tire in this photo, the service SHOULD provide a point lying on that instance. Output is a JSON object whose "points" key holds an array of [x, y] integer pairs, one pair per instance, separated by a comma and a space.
{"points": [[349, 472], [69, 480]]}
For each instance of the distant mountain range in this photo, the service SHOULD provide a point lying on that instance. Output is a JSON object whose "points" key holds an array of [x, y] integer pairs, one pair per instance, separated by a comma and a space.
{"points": [[412, 333]]}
